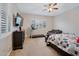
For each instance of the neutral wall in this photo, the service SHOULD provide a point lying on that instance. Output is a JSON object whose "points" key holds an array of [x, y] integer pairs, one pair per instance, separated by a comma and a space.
{"points": [[28, 20], [6, 45], [6, 39], [68, 21]]}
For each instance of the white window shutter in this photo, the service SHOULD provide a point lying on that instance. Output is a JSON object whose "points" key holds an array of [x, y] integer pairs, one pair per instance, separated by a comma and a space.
{"points": [[3, 18]]}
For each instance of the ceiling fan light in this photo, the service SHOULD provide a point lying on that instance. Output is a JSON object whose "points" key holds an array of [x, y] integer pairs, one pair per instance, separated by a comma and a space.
{"points": [[50, 9]]}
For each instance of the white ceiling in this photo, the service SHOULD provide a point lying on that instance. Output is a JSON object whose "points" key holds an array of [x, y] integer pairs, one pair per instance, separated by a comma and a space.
{"points": [[38, 8]]}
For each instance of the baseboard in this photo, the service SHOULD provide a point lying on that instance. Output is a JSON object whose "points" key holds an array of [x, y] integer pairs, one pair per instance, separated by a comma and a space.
{"points": [[9, 53]]}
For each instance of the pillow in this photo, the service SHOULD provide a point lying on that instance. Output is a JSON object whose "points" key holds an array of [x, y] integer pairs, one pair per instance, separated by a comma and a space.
{"points": [[77, 39]]}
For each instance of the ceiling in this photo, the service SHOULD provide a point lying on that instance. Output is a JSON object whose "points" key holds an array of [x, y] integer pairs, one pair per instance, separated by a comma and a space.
{"points": [[38, 8]]}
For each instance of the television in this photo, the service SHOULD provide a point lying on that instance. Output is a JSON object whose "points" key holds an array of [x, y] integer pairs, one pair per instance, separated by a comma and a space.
{"points": [[18, 21]]}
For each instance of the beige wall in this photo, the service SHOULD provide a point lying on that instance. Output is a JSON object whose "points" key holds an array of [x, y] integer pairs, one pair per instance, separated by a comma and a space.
{"points": [[28, 19], [6, 39], [6, 45], [68, 21]]}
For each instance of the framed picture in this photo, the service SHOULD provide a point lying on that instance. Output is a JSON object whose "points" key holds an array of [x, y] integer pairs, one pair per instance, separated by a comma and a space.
{"points": [[38, 24]]}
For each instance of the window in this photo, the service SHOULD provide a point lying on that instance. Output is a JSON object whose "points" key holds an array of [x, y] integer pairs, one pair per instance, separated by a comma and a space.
{"points": [[3, 18], [38, 24]]}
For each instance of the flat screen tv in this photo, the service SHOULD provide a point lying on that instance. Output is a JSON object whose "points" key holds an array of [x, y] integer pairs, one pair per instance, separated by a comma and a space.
{"points": [[18, 21]]}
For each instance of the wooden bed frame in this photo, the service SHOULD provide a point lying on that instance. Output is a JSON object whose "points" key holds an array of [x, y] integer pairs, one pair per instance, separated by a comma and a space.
{"points": [[60, 51]]}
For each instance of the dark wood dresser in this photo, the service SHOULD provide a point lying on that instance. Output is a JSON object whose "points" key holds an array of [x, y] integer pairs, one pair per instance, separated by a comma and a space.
{"points": [[18, 39]]}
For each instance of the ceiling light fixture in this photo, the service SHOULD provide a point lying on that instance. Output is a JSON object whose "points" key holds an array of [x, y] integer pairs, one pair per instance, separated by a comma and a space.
{"points": [[50, 7]]}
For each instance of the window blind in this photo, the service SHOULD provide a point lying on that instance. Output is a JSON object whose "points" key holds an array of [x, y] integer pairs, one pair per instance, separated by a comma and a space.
{"points": [[3, 18]]}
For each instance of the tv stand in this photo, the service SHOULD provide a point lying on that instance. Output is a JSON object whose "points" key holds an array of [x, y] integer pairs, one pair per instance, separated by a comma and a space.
{"points": [[18, 39]]}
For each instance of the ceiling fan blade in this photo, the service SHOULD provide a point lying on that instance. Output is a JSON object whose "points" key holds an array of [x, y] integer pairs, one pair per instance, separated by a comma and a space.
{"points": [[55, 8], [54, 4], [50, 4]]}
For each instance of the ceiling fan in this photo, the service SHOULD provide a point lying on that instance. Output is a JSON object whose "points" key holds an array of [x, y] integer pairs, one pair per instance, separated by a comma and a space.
{"points": [[50, 7]]}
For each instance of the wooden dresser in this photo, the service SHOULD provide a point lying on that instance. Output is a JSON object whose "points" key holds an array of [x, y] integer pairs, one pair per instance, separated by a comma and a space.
{"points": [[18, 39]]}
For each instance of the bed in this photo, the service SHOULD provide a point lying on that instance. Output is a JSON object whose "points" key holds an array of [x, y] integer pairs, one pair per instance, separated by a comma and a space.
{"points": [[64, 41]]}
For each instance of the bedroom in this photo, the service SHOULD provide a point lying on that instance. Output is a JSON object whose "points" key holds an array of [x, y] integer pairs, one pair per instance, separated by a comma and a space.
{"points": [[63, 19], [45, 17]]}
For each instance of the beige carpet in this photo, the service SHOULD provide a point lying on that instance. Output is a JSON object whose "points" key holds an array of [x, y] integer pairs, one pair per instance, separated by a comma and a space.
{"points": [[34, 47]]}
